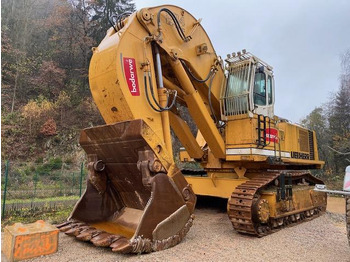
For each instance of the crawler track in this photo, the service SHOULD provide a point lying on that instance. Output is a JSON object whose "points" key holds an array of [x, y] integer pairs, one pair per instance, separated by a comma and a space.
{"points": [[243, 198]]}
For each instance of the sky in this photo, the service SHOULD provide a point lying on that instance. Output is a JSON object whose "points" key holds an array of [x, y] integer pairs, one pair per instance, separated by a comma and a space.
{"points": [[302, 40]]}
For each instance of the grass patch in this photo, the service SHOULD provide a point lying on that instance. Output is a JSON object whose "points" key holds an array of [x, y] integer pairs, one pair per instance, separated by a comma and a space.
{"points": [[49, 199], [54, 210], [52, 215]]}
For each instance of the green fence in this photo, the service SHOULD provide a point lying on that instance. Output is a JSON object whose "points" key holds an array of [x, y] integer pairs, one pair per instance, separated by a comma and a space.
{"points": [[36, 188]]}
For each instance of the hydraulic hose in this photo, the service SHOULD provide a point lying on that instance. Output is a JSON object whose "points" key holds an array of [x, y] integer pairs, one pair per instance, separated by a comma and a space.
{"points": [[176, 22]]}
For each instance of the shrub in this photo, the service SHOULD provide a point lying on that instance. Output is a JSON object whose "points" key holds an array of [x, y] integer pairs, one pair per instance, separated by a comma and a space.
{"points": [[52, 164]]}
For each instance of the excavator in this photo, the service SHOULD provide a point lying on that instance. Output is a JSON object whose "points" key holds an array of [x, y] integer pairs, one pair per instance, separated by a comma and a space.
{"points": [[150, 64]]}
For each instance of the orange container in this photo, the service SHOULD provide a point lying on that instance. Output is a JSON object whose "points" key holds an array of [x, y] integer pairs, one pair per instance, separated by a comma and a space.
{"points": [[30, 240]]}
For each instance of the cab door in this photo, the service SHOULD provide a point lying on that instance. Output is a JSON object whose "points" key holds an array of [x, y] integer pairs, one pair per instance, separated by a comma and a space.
{"points": [[263, 92]]}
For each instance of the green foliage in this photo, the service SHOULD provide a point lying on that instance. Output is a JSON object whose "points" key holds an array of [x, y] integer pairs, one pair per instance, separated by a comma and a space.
{"points": [[104, 11], [52, 214], [47, 199], [68, 160], [52, 164], [18, 176], [11, 118], [39, 160], [187, 165]]}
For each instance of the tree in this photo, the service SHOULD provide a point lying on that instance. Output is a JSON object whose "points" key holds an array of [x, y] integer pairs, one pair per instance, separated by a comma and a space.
{"points": [[50, 80], [37, 112], [8, 69], [49, 128], [20, 22], [88, 114], [317, 121], [332, 124], [46, 48], [31, 112], [339, 117], [103, 11], [63, 104]]}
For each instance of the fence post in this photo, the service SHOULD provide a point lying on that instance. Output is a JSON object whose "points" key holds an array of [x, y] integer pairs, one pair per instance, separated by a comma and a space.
{"points": [[5, 189], [36, 179], [81, 177], [60, 180], [73, 183]]}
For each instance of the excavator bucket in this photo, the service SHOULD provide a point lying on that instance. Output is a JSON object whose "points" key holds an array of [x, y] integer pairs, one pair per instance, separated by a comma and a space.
{"points": [[136, 200]]}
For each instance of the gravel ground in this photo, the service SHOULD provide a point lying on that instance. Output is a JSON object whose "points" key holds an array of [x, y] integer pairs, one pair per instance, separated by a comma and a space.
{"points": [[213, 239]]}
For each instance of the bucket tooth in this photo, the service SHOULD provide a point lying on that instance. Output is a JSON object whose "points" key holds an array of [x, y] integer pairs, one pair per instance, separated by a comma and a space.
{"points": [[86, 228], [75, 231], [87, 235], [66, 228], [71, 231], [122, 245], [104, 239], [80, 230], [64, 224]]}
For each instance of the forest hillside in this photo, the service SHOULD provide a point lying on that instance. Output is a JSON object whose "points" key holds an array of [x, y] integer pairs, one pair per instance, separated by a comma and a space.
{"points": [[45, 98]]}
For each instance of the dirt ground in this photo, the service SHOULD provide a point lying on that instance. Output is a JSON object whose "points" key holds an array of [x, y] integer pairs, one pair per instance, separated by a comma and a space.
{"points": [[336, 205], [212, 239]]}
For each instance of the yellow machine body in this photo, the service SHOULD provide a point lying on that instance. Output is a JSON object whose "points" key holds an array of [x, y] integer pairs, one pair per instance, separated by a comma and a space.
{"points": [[292, 145], [150, 64]]}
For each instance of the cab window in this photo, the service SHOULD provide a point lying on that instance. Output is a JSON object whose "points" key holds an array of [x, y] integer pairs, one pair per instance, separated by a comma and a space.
{"points": [[237, 82], [269, 90], [260, 89]]}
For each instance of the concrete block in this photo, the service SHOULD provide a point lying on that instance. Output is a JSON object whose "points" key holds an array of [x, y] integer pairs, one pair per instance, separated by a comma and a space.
{"points": [[23, 241]]}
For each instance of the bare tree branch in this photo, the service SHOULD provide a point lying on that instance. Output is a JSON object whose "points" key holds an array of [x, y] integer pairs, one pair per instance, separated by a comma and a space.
{"points": [[338, 152]]}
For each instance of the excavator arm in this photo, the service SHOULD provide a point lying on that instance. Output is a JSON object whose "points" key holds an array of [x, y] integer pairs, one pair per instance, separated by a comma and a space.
{"points": [[136, 199], [158, 55]]}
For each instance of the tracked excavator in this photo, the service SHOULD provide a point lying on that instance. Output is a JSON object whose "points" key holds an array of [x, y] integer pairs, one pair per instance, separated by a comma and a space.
{"points": [[151, 63]]}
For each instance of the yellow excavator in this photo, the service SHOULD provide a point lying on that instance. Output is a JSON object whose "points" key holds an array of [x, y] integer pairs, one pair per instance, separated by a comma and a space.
{"points": [[150, 64]]}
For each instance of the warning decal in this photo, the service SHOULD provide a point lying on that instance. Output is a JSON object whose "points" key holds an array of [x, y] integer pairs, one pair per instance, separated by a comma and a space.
{"points": [[272, 135]]}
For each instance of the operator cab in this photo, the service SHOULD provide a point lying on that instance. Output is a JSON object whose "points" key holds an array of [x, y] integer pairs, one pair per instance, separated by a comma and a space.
{"points": [[249, 87]]}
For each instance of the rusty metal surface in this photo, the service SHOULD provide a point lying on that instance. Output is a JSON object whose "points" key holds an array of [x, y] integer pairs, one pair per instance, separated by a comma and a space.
{"points": [[24, 241], [244, 203], [130, 200]]}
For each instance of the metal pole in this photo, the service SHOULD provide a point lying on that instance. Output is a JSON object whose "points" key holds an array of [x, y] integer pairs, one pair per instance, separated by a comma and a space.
{"points": [[61, 186], [73, 183], [36, 178], [81, 177], [5, 189], [61, 177]]}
